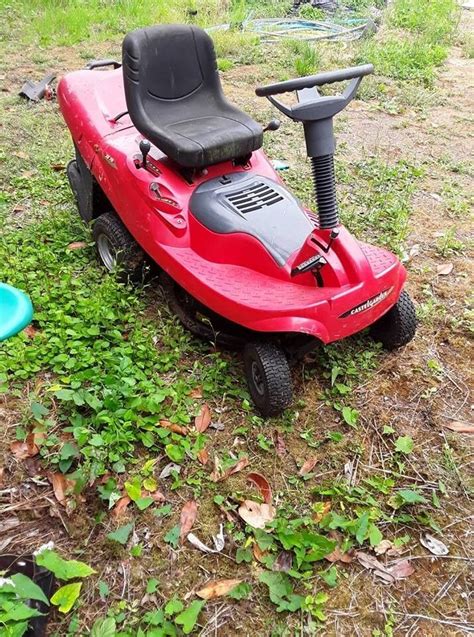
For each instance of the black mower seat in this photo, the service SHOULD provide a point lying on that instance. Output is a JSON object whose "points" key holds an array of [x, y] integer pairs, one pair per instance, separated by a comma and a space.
{"points": [[175, 99]]}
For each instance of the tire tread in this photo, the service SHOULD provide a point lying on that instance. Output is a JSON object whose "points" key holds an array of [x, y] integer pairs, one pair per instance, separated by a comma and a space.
{"points": [[398, 326], [277, 377], [131, 258]]}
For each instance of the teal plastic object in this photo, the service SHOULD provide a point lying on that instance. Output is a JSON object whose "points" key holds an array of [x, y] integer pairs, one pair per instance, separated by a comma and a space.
{"points": [[16, 311]]}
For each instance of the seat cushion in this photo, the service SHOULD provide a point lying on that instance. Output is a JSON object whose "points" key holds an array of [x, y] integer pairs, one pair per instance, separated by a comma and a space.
{"points": [[175, 99], [203, 141]]}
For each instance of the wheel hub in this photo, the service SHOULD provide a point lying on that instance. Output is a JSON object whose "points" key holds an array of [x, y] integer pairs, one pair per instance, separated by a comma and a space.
{"points": [[257, 378], [106, 251]]}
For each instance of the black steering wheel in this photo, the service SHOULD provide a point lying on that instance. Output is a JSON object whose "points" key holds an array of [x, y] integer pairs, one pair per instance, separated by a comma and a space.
{"points": [[313, 106]]}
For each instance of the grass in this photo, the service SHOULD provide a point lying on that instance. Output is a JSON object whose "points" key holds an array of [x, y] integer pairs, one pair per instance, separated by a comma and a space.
{"points": [[414, 60], [105, 363], [89, 326], [434, 19], [414, 43], [306, 59]]}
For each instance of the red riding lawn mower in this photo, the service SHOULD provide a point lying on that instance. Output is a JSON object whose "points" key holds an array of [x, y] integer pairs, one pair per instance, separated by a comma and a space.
{"points": [[169, 171]]}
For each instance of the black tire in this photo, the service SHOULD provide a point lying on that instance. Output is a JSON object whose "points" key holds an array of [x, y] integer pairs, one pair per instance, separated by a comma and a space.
{"points": [[398, 326], [117, 249], [268, 377]]}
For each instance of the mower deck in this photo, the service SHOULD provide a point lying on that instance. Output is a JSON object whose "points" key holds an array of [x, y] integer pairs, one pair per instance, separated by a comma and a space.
{"points": [[263, 303]]}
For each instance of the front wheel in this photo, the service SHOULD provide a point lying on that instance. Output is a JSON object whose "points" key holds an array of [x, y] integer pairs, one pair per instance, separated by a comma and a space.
{"points": [[268, 377], [398, 326]]}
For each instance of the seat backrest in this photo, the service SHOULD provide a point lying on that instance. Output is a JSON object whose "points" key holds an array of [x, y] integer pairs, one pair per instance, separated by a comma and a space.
{"points": [[166, 63]]}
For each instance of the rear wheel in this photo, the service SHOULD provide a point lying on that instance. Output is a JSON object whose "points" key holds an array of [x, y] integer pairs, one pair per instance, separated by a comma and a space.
{"points": [[117, 249], [398, 326], [268, 377]]}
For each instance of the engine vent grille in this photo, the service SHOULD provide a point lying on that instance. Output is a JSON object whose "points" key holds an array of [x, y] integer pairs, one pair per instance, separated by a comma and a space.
{"points": [[254, 197]]}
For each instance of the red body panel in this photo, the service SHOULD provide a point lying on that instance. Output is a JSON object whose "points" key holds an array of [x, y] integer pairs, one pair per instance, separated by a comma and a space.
{"points": [[233, 274]]}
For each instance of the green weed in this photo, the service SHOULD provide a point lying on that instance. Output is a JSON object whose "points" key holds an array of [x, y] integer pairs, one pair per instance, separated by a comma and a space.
{"points": [[379, 207], [308, 12], [467, 43], [417, 43], [223, 64], [109, 383], [413, 60], [238, 14], [435, 19], [306, 57], [449, 244], [458, 202]]}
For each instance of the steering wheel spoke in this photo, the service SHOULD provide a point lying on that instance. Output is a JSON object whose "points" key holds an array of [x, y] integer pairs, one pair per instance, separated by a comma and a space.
{"points": [[312, 106]]}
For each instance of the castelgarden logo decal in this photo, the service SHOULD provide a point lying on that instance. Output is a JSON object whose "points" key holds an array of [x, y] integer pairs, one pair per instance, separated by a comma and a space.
{"points": [[367, 305]]}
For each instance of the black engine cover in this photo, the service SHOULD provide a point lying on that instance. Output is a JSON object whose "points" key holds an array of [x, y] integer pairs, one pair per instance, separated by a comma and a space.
{"points": [[255, 205]]}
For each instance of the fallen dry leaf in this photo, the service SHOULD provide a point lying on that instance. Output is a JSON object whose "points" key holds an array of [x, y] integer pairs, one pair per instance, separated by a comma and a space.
{"points": [[77, 245], [177, 429], [217, 588], [187, 518], [262, 484], [283, 562], [18, 208], [399, 570], [217, 476], [280, 445], [338, 556], [256, 515], [444, 269], [258, 554], [383, 547], [433, 545], [21, 155], [58, 167], [157, 496], [402, 569], [8, 524], [196, 392], [307, 466], [26, 449], [203, 421], [61, 486], [203, 456], [38, 437], [121, 506], [30, 331], [167, 471], [241, 464], [371, 563], [460, 427], [2, 472], [324, 510], [218, 540]]}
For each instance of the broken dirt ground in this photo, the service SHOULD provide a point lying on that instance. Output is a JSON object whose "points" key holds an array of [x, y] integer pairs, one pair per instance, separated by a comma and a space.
{"points": [[417, 391]]}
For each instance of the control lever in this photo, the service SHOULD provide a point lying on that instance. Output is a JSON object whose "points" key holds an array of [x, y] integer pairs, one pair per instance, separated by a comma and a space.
{"points": [[273, 124], [332, 237], [145, 148], [314, 263]]}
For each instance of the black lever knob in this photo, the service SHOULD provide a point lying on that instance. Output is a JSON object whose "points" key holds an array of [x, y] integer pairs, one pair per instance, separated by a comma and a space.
{"points": [[145, 147], [273, 124]]}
